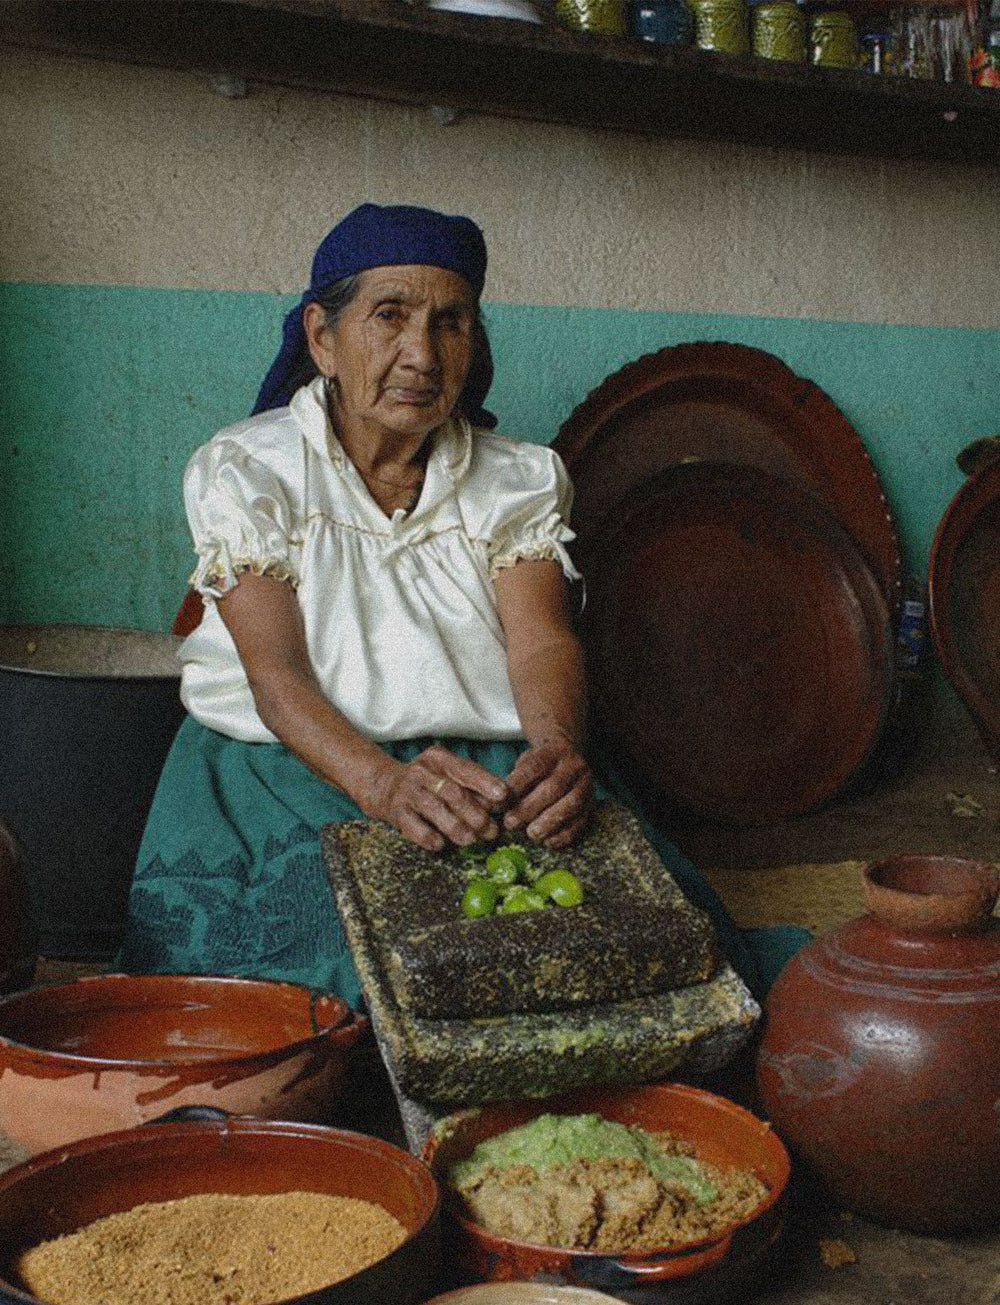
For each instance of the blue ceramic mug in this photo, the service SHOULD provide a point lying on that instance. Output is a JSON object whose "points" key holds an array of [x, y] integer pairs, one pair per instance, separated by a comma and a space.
{"points": [[663, 22]]}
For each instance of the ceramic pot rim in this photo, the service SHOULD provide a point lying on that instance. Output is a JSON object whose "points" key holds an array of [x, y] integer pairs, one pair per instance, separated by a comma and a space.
{"points": [[155, 674], [345, 1019], [546, 1294], [914, 891], [151, 1132]]}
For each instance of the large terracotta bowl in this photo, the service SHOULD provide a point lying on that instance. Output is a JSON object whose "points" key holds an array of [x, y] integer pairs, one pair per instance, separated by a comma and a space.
{"points": [[68, 1188], [112, 1051], [723, 1134]]}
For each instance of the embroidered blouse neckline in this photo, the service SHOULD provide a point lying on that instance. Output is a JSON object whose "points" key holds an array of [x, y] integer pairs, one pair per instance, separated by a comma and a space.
{"points": [[452, 441]]}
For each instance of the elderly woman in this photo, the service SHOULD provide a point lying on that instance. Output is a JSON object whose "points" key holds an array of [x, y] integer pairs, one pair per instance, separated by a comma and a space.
{"points": [[386, 629]]}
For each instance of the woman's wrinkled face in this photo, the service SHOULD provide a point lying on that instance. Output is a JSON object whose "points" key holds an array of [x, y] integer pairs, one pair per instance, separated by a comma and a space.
{"points": [[400, 350]]}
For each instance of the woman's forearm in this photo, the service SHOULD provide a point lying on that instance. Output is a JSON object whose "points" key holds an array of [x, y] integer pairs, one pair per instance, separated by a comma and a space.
{"points": [[263, 618], [551, 785], [545, 663], [293, 707], [549, 687]]}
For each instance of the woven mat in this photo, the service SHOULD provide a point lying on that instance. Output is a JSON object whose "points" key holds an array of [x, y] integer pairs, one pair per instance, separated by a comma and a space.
{"points": [[818, 896]]}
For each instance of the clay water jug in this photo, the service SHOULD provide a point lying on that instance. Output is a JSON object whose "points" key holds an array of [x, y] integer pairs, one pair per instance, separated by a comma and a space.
{"points": [[18, 955], [879, 1063]]}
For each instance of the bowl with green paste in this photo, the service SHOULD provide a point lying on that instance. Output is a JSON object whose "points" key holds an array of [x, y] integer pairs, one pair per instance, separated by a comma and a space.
{"points": [[657, 1194]]}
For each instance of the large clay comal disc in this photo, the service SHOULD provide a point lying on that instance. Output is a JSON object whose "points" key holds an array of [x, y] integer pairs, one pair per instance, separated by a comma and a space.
{"points": [[964, 591], [720, 402], [740, 648]]}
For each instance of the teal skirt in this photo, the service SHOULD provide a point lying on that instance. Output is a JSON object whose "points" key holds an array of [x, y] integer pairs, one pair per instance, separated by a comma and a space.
{"points": [[230, 878]]}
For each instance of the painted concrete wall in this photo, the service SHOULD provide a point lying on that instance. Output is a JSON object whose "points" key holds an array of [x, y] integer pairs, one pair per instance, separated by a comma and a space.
{"points": [[152, 233]]}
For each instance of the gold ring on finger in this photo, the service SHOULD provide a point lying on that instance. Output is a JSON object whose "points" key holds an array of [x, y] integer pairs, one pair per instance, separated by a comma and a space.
{"points": [[439, 786]]}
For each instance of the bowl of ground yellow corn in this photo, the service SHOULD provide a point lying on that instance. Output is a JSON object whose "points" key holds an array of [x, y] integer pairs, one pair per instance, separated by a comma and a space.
{"points": [[220, 1211]]}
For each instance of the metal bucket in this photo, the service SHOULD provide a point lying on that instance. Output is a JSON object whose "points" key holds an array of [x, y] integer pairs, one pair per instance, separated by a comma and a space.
{"points": [[18, 944], [87, 715]]}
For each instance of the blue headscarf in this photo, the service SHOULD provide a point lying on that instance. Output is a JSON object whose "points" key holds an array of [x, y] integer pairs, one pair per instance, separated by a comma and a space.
{"points": [[375, 236]]}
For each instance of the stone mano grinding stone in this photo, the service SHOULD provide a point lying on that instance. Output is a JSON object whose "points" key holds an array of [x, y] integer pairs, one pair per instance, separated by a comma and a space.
{"points": [[694, 1029], [442, 966]]}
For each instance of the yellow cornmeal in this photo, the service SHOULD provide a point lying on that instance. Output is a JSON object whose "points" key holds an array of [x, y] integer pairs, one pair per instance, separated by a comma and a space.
{"points": [[212, 1249]]}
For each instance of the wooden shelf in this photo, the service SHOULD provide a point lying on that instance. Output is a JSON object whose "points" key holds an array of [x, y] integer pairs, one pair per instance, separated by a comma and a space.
{"points": [[395, 51]]}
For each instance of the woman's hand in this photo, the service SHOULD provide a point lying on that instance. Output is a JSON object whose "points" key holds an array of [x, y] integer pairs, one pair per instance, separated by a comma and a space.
{"points": [[551, 794], [438, 798]]}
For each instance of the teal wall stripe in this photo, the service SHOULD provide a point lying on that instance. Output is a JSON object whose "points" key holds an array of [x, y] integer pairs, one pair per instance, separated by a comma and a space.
{"points": [[107, 390]]}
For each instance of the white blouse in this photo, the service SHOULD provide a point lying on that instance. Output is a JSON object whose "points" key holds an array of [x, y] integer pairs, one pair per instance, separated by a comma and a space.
{"points": [[400, 614]]}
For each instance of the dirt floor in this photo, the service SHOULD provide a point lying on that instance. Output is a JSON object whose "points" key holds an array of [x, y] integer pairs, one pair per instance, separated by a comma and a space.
{"points": [[807, 871], [944, 798]]}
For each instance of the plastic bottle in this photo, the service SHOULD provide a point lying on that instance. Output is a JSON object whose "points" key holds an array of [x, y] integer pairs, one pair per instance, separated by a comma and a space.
{"points": [[909, 709]]}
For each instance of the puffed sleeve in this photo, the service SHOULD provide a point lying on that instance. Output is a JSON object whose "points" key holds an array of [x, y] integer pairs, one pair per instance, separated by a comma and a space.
{"points": [[531, 513], [240, 520]]}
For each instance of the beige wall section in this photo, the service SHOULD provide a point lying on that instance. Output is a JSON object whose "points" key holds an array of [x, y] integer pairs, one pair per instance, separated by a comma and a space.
{"points": [[142, 177]]}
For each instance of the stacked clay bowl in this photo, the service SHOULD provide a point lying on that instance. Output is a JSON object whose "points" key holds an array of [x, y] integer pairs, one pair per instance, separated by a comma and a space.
{"points": [[723, 1134], [112, 1051]]}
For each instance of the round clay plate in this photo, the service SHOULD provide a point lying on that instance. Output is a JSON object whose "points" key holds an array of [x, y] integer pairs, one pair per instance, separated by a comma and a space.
{"points": [[739, 647], [719, 402], [964, 592]]}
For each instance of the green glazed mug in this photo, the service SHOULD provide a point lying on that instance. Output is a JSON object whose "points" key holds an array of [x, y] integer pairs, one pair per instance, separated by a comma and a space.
{"points": [[604, 16], [779, 32]]}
